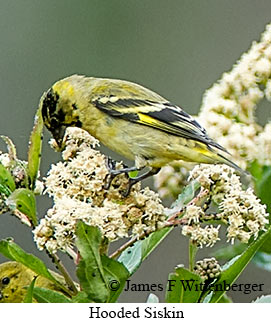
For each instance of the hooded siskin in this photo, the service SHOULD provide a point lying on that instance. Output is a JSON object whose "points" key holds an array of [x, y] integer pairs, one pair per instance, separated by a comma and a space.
{"points": [[131, 120]]}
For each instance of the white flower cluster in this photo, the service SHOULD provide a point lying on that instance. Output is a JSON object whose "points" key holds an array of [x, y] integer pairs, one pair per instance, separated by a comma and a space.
{"points": [[243, 213], [228, 114], [202, 236], [228, 107], [239, 209], [77, 187]]}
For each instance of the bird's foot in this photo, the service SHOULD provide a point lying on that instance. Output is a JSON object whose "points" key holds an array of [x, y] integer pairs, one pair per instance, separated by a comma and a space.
{"points": [[134, 180], [113, 172]]}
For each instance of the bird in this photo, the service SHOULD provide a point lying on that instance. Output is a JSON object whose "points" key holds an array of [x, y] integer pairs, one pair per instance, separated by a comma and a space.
{"points": [[15, 278], [131, 120]]}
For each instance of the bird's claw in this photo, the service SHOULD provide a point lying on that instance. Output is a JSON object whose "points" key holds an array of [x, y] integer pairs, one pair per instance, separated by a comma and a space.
{"points": [[112, 172]]}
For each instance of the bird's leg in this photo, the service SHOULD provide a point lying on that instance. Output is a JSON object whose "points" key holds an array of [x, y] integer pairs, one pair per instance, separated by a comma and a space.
{"points": [[111, 164], [133, 181]]}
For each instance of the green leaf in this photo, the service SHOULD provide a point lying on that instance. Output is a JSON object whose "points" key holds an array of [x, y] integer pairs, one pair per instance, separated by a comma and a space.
{"points": [[116, 275], [90, 270], [11, 147], [234, 268], [263, 299], [225, 299], [7, 184], [266, 247], [255, 169], [150, 243], [182, 286], [262, 179], [12, 251], [24, 200], [44, 295], [187, 194], [263, 187], [262, 260], [133, 256], [133, 174], [4, 190], [229, 251], [152, 298], [81, 297], [262, 176], [35, 144], [29, 294], [207, 298]]}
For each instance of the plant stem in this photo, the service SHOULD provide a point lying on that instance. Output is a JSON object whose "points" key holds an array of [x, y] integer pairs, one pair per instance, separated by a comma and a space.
{"points": [[65, 274], [192, 254], [104, 246], [171, 222], [72, 254], [129, 243]]}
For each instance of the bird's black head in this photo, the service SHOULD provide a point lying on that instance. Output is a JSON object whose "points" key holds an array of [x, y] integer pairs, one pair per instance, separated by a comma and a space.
{"points": [[58, 114]]}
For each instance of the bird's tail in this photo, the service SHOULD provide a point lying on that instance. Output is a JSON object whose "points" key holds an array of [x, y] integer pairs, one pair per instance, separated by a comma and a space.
{"points": [[230, 163], [217, 154]]}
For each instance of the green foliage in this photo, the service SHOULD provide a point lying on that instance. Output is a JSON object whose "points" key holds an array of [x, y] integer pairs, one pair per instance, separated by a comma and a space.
{"points": [[262, 260], [152, 298], [7, 184], [23, 200], [11, 148], [262, 185], [90, 271], [229, 251], [133, 256], [225, 299], [263, 299], [35, 145], [44, 295], [233, 269], [29, 295], [80, 297], [101, 277], [187, 195], [181, 287], [133, 174], [262, 175], [116, 275]]}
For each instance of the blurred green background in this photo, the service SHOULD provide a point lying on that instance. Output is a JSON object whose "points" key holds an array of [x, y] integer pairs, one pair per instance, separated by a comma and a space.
{"points": [[177, 48]]}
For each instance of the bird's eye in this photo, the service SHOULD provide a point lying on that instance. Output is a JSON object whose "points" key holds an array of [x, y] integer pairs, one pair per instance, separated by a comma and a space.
{"points": [[5, 280], [74, 106]]}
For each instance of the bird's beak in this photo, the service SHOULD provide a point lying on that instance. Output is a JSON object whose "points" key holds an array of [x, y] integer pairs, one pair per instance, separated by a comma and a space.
{"points": [[58, 134]]}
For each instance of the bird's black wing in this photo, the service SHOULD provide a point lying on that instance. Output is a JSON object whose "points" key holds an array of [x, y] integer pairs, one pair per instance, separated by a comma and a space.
{"points": [[159, 115]]}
